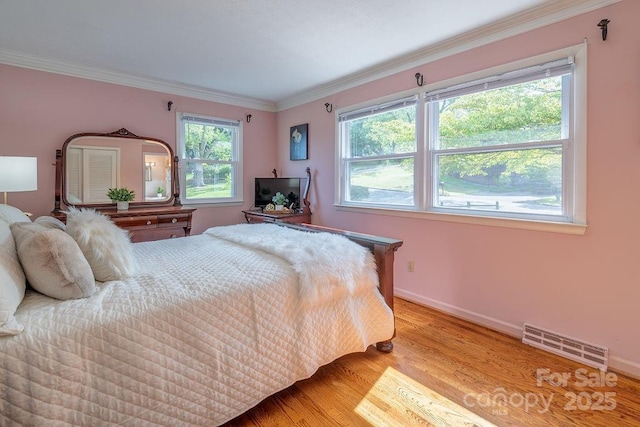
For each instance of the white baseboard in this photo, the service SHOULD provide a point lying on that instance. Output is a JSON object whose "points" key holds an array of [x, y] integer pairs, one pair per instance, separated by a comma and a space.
{"points": [[480, 319], [624, 366], [618, 364]]}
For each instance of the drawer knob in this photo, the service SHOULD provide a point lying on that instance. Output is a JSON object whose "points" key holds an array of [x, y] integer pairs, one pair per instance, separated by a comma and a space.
{"points": [[174, 220], [148, 222]]}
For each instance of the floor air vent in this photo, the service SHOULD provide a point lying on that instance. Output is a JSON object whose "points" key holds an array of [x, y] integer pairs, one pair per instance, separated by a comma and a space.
{"points": [[571, 348]]}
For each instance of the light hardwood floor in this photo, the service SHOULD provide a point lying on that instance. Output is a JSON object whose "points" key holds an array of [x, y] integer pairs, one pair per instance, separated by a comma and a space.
{"points": [[448, 372]]}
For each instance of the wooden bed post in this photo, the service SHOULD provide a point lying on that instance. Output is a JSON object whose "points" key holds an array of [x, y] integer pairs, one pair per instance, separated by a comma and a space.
{"points": [[58, 188], [305, 197]]}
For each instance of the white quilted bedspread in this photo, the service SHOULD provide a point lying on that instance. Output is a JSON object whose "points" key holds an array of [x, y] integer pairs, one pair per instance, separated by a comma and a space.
{"points": [[187, 341]]}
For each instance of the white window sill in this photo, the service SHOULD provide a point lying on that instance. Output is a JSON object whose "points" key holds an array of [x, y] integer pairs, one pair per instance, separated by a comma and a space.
{"points": [[209, 204], [548, 226]]}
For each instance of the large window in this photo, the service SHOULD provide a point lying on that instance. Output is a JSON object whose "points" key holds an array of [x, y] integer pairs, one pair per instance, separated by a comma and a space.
{"points": [[210, 159], [379, 153], [500, 146]]}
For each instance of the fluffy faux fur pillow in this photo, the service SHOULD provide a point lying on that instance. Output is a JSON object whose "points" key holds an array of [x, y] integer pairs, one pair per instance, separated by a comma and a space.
{"points": [[12, 282], [53, 262], [105, 245]]}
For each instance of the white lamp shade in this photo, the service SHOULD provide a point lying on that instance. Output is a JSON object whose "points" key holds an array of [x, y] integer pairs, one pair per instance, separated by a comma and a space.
{"points": [[18, 174]]}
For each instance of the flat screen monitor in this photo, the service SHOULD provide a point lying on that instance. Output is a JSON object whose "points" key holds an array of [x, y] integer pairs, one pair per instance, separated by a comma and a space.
{"points": [[266, 188]]}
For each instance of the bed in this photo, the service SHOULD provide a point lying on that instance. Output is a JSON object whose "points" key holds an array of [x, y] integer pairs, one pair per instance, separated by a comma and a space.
{"points": [[197, 339]]}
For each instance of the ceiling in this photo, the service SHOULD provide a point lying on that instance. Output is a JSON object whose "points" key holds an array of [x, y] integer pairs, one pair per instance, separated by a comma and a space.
{"points": [[267, 54]]}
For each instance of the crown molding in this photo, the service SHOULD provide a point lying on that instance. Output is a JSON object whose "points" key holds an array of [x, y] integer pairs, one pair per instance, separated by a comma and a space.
{"points": [[51, 66], [531, 19], [537, 17]]}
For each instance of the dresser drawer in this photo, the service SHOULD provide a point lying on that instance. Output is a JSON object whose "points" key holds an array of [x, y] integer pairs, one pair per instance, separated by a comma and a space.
{"points": [[137, 222], [150, 223], [176, 220]]}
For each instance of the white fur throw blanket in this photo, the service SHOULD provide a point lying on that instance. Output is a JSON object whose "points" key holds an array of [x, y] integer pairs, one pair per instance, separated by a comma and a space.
{"points": [[328, 265]]}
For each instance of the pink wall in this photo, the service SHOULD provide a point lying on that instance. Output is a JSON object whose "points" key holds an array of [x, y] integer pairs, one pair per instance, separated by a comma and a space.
{"points": [[583, 286], [39, 111]]}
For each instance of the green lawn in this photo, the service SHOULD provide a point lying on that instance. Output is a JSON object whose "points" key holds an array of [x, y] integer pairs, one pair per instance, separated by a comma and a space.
{"points": [[220, 190], [400, 179], [389, 178]]}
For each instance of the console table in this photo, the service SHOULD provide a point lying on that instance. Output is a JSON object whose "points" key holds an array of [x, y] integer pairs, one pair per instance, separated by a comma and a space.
{"points": [[262, 216], [149, 223]]}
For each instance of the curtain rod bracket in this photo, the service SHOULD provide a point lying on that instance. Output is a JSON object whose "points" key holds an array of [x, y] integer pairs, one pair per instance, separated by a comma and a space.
{"points": [[603, 24], [249, 118], [328, 107], [169, 104], [419, 79]]}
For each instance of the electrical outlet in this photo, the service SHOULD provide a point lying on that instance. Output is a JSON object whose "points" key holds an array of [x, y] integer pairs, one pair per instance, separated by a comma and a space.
{"points": [[410, 266]]}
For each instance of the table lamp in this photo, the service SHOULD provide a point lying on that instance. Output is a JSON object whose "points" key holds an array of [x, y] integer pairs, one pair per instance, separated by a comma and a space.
{"points": [[18, 174]]}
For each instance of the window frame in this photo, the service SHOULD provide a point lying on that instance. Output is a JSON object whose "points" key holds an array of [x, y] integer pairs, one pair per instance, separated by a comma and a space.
{"points": [[574, 156], [345, 159], [236, 161]]}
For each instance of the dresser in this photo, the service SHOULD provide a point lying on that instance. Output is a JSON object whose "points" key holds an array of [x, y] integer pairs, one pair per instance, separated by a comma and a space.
{"points": [[149, 223]]}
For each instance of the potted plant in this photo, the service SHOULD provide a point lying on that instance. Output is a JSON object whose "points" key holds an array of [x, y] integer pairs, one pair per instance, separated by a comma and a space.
{"points": [[122, 197], [279, 200], [159, 191]]}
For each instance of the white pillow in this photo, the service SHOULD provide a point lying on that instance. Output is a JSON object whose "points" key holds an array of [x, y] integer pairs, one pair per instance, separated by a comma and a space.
{"points": [[10, 214], [12, 283], [53, 262], [105, 245], [50, 222]]}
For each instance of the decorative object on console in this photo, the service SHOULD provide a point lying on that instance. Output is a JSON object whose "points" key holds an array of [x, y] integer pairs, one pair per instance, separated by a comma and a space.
{"points": [[279, 200], [278, 209], [18, 174], [159, 191], [299, 142], [122, 197]]}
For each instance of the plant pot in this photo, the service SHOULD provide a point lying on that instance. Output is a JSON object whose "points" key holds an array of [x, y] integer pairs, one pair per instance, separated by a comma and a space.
{"points": [[122, 206], [159, 195], [279, 207]]}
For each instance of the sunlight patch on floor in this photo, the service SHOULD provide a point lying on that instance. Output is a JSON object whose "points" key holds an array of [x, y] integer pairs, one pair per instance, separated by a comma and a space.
{"points": [[396, 399]]}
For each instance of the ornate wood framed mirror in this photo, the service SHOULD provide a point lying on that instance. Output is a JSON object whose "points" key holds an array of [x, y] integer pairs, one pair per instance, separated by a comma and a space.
{"points": [[90, 163]]}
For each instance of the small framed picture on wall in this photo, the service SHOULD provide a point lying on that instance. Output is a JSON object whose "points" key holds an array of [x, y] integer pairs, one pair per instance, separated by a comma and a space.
{"points": [[299, 142]]}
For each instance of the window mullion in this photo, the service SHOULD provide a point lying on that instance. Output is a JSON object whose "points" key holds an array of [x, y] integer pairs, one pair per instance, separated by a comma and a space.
{"points": [[504, 147], [382, 157]]}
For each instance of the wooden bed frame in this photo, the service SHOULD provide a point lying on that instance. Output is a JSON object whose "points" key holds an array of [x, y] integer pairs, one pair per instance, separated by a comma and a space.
{"points": [[383, 250]]}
